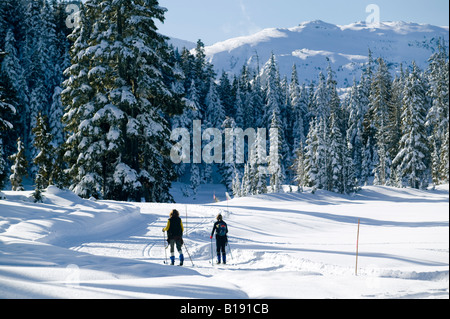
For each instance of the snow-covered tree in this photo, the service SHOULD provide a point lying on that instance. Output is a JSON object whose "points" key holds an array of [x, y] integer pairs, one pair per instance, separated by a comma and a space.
{"points": [[195, 178], [311, 165], [299, 107], [7, 110], [236, 187], [273, 98], [240, 109], [337, 158], [15, 88], [380, 105], [215, 113], [56, 112], [19, 167], [228, 168], [246, 184], [444, 165], [276, 165], [355, 129], [119, 94], [44, 159], [437, 116], [3, 172], [413, 150], [321, 100], [256, 101], [224, 90], [299, 167]]}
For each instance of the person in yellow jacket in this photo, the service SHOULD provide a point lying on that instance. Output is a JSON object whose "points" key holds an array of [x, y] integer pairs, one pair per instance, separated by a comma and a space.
{"points": [[175, 231]]}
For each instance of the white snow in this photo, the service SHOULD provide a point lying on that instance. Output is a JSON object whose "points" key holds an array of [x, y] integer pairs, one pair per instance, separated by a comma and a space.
{"points": [[285, 245], [309, 44]]}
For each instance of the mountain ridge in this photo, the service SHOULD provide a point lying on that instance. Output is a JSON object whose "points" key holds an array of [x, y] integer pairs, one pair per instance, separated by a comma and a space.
{"points": [[313, 44]]}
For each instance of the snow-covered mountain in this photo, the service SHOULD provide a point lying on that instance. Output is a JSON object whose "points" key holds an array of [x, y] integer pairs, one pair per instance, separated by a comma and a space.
{"points": [[346, 46]]}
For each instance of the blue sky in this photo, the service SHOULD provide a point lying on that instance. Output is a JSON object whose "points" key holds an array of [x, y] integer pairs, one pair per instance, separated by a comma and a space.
{"points": [[218, 20]]}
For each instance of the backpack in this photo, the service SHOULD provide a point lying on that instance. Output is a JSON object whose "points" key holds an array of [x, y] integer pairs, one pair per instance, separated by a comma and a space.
{"points": [[221, 229]]}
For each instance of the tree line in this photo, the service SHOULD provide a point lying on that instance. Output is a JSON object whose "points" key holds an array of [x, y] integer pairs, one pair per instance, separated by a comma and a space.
{"points": [[91, 109]]}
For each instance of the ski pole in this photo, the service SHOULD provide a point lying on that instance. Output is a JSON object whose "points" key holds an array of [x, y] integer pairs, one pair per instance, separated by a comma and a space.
{"points": [[212, 255], [185, 247], [229, 248], [165, 248]]}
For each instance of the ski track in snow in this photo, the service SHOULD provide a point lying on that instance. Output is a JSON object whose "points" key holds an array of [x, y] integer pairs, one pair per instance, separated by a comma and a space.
{"points": [[282, 246]]}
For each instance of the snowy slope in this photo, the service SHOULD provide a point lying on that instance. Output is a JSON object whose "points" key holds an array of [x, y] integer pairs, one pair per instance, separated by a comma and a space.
{"points": [[285, 245], [311, 43]]}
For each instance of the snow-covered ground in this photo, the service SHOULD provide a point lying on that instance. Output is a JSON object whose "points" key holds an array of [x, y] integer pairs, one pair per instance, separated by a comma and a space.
{"points": [[285, 245]]}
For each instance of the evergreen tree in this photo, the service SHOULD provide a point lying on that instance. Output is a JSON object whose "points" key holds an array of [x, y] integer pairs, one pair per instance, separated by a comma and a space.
{"points": [[256, 103], [203, 73], [395, 113], [276, 167], [37, 52], [3, 172], [444, 164], [311, 155], [380, 105], [56, 112], [355, 130], [215, 113], [119, 124], [337, 157], [6, 111], [300, 169], [240, 110], [195, 179], [246, 181], [236, 187], [437, 116], [5, 108], [191, 112], [273, 97], [19, 167], [334, 102], [14, 90], [412, 157], [44, 159], [323, 155], [299, 106], [226, 95], [368, 137], [59, 177], [227, 170], [321, 100], [78, 97], [255, 172]]}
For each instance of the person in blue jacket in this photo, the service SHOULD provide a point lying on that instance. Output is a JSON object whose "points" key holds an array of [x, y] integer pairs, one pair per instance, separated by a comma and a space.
{"points": [[221, 230]]}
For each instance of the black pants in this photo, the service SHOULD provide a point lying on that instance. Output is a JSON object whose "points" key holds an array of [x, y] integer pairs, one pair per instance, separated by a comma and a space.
{"points": [[221, 241], [175, 240]]}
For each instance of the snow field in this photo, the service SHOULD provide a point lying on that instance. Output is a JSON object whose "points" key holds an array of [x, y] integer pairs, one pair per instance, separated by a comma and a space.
{"points": [[285, 245]]}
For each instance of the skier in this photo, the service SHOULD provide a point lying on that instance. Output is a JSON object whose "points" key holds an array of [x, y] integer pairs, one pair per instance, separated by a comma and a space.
{"points": [[221, 229], [175, 231]]}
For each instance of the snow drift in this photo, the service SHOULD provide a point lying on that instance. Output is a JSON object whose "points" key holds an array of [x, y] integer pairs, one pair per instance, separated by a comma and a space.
{"points": [[285, 245]]}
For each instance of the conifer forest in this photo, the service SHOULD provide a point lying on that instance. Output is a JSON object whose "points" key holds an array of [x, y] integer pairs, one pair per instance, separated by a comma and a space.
{"points": [[90, 106]]}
